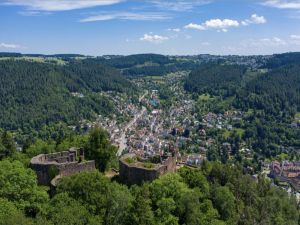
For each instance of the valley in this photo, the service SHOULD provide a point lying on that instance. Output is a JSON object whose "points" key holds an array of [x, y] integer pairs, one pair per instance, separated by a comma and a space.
{"points": [[205, 119]]}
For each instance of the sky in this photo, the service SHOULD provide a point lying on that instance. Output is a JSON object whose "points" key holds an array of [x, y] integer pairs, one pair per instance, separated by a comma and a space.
{"points": [[171, 27]]}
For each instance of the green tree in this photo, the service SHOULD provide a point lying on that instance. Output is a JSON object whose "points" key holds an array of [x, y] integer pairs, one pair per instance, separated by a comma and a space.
{"points": [[110, 201], [19, 185], [164, 213], [8, 146], [224, 201], [278, 208], [40, 147], [100, 149], [189, 208], [3, 152], [119, 205], [64, 210], [142, 213], [168, 186], [194, 178], [10, 215]]}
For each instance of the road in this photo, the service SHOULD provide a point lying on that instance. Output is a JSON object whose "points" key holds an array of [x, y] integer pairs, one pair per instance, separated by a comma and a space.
{"points": [[123, 139], [143, 96]]}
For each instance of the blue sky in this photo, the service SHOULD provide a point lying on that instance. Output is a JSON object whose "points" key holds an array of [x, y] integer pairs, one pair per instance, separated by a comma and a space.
{"points": [[176, 27]]}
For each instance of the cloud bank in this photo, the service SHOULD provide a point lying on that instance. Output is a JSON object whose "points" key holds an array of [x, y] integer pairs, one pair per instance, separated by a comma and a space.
{"points": [[283, 4], [59, 5], [179, 5], [9, 46], [225, 24], [147, 16]]}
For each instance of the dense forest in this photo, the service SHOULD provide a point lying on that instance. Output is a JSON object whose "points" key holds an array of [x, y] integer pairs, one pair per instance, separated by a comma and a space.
{"points": [[213, 194], [276, 92], [18, 55], [280, 60], [34, 94], [215, 79], [148, 64]]}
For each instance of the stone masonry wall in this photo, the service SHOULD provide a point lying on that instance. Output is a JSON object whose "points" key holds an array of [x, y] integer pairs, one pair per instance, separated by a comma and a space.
{"points": [[136, 175], [69, 169], [63, 164]]}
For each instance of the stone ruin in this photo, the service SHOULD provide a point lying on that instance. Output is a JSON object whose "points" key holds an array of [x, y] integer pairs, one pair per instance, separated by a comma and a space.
{"points": [[50, 168], [136, 170]]}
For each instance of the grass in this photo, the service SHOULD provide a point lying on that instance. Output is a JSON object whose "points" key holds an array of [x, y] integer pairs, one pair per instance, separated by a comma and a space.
{"points": [[226, 133], [54, 60], [155, 78], [249, 112], [205, 97], [239, 131], [146, 64], [297, 116], [130, 160], [148, 165], [251, 75]]}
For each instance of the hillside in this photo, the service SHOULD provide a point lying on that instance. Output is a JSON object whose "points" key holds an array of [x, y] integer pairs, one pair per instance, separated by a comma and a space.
{"points": [[148, 64], [215, 79], [280, 60], [268, 99], [276, 92], [34, 94]]}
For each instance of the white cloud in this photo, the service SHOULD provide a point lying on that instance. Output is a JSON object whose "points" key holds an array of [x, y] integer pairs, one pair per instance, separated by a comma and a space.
{"points": [[205, 43], [283, 4], [127, 16], [11, 46], [34, 13], [295, 37], [194, 26], [264, 42], [269, 45], [187, 37], [179, 5], [223, 25], [255, 19], [293, 40], [59, 5], [177, 30], [220, 25], [153, 38], [275, 41]]}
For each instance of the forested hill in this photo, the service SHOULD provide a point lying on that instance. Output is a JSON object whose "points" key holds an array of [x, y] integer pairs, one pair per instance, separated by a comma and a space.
{"points": [[123, 62], [148, 64], [215, 79], [94, 76], [280, 60], [276, 93], [34, 94], [18, 55]]}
